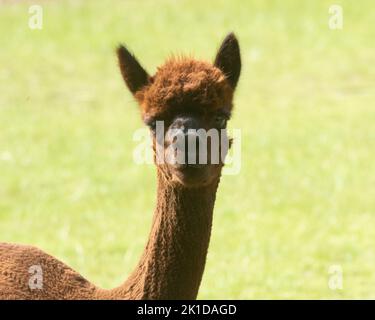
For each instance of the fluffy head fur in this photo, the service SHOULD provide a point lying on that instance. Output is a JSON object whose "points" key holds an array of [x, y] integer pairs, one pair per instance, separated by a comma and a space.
{"points": [[182, 84]]}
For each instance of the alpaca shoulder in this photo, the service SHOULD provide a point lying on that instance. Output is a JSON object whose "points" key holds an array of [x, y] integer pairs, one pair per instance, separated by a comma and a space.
{"points": [[27, 272]]}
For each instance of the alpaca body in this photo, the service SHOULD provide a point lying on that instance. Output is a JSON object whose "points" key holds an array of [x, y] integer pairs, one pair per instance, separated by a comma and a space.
{"points": [[59, 281], [171, 265], [187, 95]]}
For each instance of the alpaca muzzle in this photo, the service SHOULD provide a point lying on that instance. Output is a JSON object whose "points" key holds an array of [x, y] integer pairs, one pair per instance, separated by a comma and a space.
{"points": [[186, 137]]}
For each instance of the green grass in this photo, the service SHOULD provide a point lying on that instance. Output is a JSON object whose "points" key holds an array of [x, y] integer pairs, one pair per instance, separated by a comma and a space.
{"points": [[305, 197]]}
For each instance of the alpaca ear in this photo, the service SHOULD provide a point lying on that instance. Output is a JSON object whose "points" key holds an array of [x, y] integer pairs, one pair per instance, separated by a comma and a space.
{"points": [[228, 59], [134, 75]]}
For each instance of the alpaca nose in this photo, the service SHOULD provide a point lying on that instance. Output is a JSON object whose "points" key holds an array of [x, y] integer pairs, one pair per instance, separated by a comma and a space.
{"points": [[192, 145], [188, 127]]}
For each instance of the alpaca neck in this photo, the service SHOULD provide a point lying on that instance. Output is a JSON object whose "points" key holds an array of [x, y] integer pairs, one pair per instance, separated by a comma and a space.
{"points": [[173, 261]]}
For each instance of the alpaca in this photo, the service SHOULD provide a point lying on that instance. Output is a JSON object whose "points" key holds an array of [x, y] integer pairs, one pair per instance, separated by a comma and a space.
{"points": [[184, 93]]}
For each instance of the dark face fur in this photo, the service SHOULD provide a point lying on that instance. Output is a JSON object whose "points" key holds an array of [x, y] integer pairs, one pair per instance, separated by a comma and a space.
{"points": [[182, 98]]}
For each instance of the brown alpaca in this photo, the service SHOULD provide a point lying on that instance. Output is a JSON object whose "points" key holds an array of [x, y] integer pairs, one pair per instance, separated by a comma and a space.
{"points": [[185, 94]]}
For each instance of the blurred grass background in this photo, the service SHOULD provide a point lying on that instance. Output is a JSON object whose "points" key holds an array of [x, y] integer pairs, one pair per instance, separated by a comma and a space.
{"points": [[304, 199]]}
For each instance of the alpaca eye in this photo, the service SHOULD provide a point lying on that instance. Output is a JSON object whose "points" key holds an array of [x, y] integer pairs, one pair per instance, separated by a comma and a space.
{"points": [[151, 124], [220, 121]]}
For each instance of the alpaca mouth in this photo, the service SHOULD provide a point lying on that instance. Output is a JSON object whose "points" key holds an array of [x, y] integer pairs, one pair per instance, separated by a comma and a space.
{"points": [[190, 167], [194, 166], [192, 174]]}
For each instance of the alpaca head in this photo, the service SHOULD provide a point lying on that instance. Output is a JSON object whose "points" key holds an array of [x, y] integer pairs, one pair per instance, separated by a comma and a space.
{"points": [[186, 105]]}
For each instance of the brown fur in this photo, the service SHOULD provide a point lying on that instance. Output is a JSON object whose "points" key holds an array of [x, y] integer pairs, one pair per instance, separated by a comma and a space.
{"points": [[172, 264], [182, 83]]}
